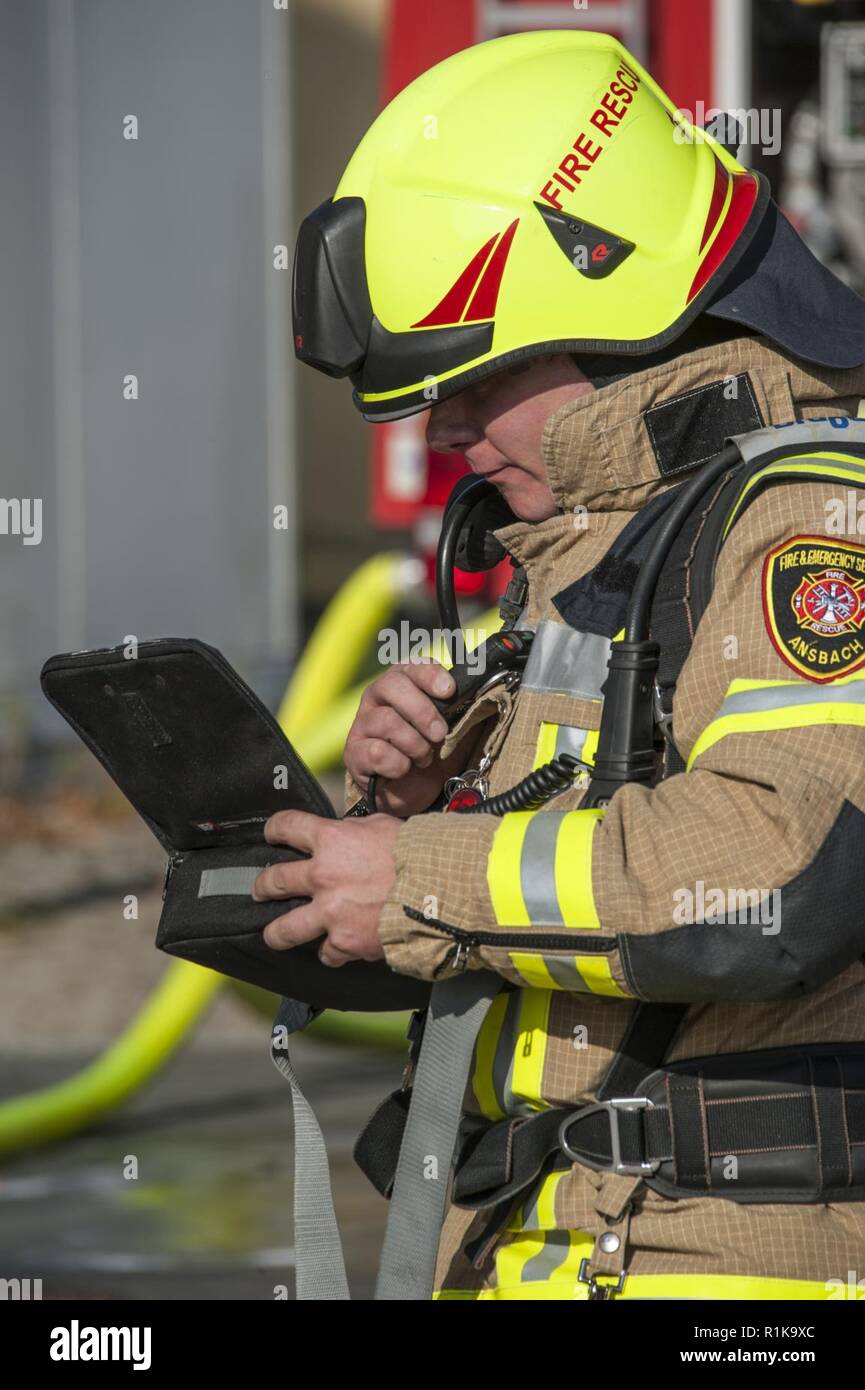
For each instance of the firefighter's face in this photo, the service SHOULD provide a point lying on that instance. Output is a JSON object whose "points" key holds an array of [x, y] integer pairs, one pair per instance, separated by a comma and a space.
{"points": [[499, 425]]}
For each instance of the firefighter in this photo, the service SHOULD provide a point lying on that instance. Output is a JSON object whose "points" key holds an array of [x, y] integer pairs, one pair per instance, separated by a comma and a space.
{"points": [[589, 297]]}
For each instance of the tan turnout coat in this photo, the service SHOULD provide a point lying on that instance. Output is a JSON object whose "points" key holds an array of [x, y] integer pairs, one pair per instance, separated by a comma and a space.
{"points": [[755, 810]]}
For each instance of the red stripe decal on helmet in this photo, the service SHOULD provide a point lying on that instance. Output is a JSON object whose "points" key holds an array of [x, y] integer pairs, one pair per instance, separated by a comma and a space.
{"points": [[450, 308], [741, 204], [483, 305], [719, 193]]}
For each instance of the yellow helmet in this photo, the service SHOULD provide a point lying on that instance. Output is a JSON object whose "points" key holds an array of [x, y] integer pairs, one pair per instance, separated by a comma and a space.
{"points": [[535, 194]]}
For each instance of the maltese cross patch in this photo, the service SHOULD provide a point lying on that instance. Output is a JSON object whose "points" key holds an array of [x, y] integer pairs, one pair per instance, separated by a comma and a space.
{"points": [[814, 605]]}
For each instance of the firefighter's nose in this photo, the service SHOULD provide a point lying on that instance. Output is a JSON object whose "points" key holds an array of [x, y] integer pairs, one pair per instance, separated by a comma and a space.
{"points": [[450, 428]]}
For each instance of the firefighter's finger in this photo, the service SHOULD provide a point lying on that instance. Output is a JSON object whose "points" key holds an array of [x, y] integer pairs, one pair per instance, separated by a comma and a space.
{"points": [[300, 829], [388, 724], [375, 755], [398, 691], [331, 955], [294, 928], [292, 879]]}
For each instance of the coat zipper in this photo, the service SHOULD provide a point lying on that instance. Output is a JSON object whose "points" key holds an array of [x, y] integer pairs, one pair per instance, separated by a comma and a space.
{"points": [[465, 942]]}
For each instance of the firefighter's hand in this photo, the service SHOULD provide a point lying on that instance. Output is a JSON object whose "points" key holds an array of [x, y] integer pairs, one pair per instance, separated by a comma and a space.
{"points": [[396, 733], [347, 878]]}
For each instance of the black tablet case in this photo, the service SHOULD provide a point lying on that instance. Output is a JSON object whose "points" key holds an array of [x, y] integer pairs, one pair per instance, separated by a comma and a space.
{"points": [[196, 753]]}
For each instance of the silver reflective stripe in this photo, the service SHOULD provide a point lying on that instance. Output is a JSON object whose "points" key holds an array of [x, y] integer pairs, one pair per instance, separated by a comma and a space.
{"points": [[563, 970], [819, 433], [785, 696], [538, 868], [566, 662], [543, 1265], [570, 740], [235, 881]]}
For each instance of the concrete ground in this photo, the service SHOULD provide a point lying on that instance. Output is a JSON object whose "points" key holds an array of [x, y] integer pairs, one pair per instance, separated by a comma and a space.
{"points": [[208, 1215]]}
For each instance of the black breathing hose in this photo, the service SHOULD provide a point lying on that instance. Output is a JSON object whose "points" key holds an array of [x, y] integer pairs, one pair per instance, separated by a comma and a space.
{"points": [[640, 604]]}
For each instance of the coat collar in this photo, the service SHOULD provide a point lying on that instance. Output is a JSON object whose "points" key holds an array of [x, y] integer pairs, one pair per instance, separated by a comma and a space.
{"points": [[608, 451]]}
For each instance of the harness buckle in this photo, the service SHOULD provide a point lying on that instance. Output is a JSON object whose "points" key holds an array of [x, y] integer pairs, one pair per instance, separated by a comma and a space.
{"points": [[612, 1107], [599, 1292]]}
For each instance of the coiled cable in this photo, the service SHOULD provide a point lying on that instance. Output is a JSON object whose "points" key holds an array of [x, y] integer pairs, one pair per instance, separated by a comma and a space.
{"points": [[541, 785]]}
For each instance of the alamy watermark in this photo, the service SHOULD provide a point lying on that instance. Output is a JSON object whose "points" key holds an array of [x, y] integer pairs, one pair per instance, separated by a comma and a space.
{"points": [[22, 516], [761, 126], [745, 906], [406, 644]]}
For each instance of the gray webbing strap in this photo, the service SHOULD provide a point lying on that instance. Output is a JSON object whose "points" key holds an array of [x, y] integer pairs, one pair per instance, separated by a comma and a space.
{"points": [[456, 1011], [231, 882], [319, 1262]]}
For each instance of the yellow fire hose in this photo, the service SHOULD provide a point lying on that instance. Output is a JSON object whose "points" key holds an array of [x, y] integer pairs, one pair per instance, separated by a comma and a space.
{"points": [[316, 714]]}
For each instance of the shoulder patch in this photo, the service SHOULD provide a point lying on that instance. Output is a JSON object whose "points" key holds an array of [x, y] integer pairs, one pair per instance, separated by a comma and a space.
{"points": [[814, 605]]}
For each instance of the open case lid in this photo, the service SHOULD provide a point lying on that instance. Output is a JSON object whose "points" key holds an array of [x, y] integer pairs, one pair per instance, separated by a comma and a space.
{"points": [[185, 739]]}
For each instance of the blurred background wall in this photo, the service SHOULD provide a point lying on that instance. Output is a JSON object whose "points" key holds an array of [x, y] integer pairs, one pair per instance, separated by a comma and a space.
{"points": [[152, 158]]}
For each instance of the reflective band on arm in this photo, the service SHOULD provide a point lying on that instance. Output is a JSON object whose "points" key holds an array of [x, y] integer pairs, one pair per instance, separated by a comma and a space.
{"points": [[580, 974], [758, 706], [539, 869], [503, 869], [573, 867]]}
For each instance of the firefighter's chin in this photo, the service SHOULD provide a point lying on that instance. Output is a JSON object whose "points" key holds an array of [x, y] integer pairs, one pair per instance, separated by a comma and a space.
{"points": [[528, 497]]}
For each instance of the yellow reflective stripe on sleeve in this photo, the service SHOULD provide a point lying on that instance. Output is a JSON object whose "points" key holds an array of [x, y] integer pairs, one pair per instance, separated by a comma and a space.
{"points": [[539, 869], [851, 470], [598, 976], [533, 969], [583, 974], [573, 868], [503, 869], [759, 706]]}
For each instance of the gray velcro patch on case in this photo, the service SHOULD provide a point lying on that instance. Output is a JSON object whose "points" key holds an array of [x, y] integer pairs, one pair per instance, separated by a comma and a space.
{"points": [[235, 881]]}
